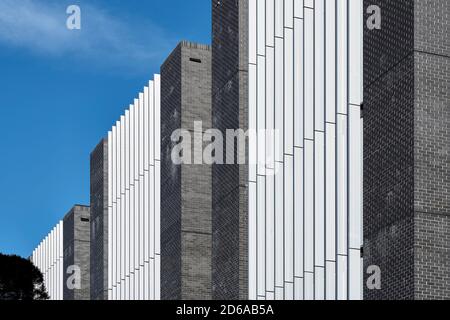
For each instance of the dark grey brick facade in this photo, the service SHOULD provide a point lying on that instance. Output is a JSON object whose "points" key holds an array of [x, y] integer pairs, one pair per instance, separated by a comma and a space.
{"points": [[230, 187], [185, 190], [407, 149], [99, 221], [76, 243]]}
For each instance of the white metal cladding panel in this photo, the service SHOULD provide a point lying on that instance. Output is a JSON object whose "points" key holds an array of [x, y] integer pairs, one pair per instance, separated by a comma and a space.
{"points": [[157, 123], [342, 56], [252, 264], [146, 222], [110, 204], [279, 18], [146, 128], [319, 283], [279, 226], [133, 148], [342, 276], [132, 142], [252, 27], [330, 280], [298, 213], [261, 25], [123, 204], [289, 14], [309, 73], [122, 155], [299, 288], [279, 98], [157, 208], [355, 203], [355, 54], [270, 24], [289, 291], [116, 134], [151, 280], [151, 123], [309, 206], [131, 218], [135, 199], [354, 275], [330, 61], [261, 236], [141, 134], [319, 65], [132, 230], [141, 221], [127, 234], [354, 163], [309, 286], [309, 3], [152, 221], [270, 235], [158, 277], [136, 139], [270, 108], [252, 114], [261, 115], [61, 262], [135, 212], [319, 199], [342, 184], [111, 230], [146, 281], [127, 198], [330, 191], [119, 211], [279, 293], [298, 83], [127, 149], [298, 9], [289, 88], [289, 225]]}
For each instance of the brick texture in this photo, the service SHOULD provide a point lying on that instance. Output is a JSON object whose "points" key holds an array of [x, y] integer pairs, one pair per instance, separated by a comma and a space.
{"points": [[406, 150], [230, 186], [76, 245], [99, 222], [186, 233]]}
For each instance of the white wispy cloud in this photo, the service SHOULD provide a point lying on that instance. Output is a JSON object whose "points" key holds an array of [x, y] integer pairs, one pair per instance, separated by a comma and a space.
{"points": [[104, 39]]}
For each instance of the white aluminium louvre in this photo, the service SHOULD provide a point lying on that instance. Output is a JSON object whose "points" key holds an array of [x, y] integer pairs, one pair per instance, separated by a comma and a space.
{"points": [[305, 222], [134, 162]]}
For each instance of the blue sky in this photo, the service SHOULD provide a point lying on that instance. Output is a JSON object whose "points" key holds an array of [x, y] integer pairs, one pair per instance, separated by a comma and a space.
{"points": [[62, 90]]}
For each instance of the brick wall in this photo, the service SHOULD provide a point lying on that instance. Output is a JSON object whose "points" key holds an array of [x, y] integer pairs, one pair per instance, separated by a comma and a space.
{"points": [[406, 149], [99, 221], [77, 251], [230, 111], [186, 189]]}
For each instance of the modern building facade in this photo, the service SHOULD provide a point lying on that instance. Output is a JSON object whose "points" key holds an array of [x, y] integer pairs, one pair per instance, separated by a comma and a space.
{"points": [[294, 221], [406, 150], [99, 221], [133, 217], [288, 225], [76, 246], [49, 258], [185, 187]]}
